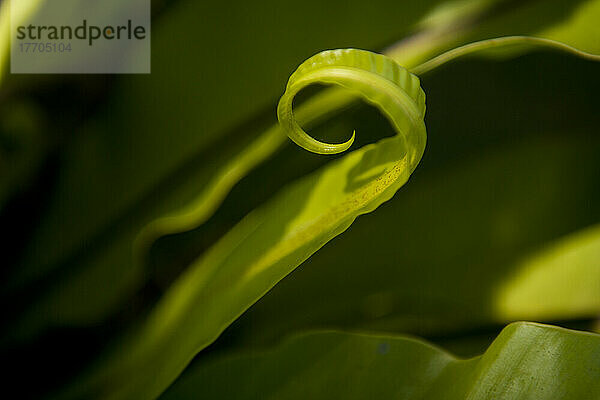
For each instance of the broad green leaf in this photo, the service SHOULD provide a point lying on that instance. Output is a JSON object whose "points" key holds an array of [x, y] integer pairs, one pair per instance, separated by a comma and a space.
{"points": [[526, 361], [274, 239]]}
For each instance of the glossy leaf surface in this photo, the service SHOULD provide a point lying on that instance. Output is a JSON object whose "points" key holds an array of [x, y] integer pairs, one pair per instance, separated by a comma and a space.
{"points": [[526, 361]]}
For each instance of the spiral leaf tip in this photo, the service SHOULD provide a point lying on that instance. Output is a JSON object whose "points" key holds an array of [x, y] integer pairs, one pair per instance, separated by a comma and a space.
{"points": [[376, 78]]}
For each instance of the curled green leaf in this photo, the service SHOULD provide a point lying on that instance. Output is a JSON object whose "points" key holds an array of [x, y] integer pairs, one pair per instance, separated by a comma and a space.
{"points": [[376, 78], [271, 241]]}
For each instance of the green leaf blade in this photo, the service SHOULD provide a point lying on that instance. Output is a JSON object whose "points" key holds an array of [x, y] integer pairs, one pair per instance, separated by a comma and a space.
{"points": [[526, 361], [265, 247]]}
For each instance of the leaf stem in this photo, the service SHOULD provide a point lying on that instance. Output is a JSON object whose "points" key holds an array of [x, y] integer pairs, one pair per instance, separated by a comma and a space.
{"points": [[500, 42]]}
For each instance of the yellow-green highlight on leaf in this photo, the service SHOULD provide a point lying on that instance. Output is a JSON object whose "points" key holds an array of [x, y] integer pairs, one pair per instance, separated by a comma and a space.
{"points": [[21, 10], [579, 28], [526, 361], [556, 281]]}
